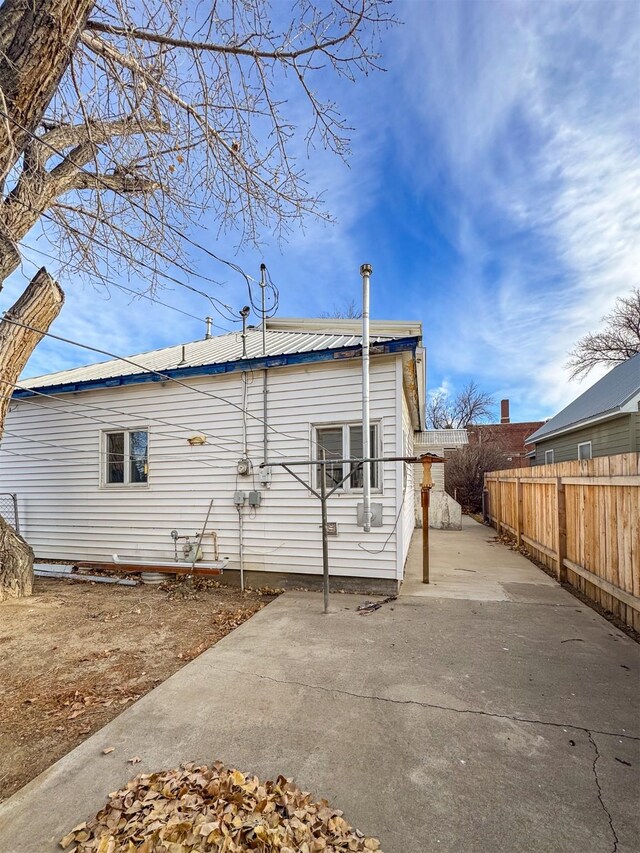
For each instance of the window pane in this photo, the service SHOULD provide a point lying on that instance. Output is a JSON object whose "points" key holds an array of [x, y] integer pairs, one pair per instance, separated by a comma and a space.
{"points": [[115, 457], [138, 447], [329, 441], [355, 442], [584, 451]]}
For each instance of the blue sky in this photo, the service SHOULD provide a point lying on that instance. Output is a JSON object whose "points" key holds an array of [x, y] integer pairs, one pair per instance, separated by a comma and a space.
{"points": [[494, 184]]}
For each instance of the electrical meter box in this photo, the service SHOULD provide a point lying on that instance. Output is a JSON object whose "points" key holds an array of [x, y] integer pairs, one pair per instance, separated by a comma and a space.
{"points": [[239, 498], [376, 515], [255, 498]]}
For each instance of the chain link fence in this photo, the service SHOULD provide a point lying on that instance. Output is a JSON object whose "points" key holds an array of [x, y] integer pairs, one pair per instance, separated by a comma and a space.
{"points": [[9, 509]]}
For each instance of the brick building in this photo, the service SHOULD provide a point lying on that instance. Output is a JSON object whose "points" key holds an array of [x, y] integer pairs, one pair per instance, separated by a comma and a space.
{"points": [[509, 437]]}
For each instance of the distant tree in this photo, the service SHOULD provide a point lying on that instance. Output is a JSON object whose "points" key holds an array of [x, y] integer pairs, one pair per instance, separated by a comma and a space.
{"points": [[469, 406], [349, 311], [618, 341], [465, 469]]}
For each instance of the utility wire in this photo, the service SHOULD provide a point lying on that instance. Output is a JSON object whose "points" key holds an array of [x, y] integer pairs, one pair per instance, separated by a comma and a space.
{"points": [[162, 222], [131, 414], [211, 299], [129, 200], [114, 456], [135, 293], [62, 461], [393, 530], [158, 373]]}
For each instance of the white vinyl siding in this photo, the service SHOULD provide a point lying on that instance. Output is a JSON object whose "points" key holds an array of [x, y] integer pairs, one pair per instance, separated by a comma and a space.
{"points": [[65, 514]]}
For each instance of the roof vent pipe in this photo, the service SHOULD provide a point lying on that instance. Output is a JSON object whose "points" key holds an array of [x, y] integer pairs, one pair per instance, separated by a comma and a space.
{"points": [[365, 272], [207, 334], [244, 313], [504, 412]]}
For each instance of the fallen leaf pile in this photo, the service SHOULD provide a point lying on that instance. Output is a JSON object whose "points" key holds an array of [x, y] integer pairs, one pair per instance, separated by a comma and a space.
{"points": [[77, 704], [196, 809]]}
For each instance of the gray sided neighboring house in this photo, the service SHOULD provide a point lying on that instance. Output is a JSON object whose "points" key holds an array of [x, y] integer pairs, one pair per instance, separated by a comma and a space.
{"points": [[602, 421]]}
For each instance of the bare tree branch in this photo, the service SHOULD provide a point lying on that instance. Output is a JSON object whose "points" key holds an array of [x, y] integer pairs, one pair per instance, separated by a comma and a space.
{"points": [[465, 469], [618, 341], [469, 406], [280, 54], [349, 311]]}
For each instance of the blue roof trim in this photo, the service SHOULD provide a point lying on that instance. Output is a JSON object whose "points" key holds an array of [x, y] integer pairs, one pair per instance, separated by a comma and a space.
{"points": [[387, 347]]}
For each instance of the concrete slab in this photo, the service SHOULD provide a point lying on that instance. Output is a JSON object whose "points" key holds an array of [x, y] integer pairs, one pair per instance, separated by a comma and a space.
{"points": [[474, 565], [438, 724]]}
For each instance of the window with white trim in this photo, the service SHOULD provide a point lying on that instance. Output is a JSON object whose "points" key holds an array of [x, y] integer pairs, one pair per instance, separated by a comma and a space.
{"points": [[548, 457], [344, 441], [584, 450], [126, 458]]}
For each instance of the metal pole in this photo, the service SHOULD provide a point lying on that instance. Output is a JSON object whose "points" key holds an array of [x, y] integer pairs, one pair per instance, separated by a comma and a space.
{"points": [[365, 272], [263, 285], [265, 429], [199, 543], [425, 493], [241, 547], [325, 543]]}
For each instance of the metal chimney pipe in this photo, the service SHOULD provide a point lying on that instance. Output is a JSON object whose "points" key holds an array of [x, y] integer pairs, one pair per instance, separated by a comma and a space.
{"points": [[207, 334], [265, 378], [263, 285], [504, 412], [365, 272]]}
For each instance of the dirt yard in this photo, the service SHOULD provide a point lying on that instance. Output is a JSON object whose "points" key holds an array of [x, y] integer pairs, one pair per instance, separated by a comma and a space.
{"points": [[76, 654]]}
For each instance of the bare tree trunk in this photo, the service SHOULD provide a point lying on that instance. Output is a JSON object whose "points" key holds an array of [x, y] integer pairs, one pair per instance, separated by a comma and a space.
{"points": [[16, 564], [37, 39], [37, 308]]}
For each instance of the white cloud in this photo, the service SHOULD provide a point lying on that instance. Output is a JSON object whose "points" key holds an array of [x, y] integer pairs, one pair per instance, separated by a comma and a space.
{"points": [[530, 111]]}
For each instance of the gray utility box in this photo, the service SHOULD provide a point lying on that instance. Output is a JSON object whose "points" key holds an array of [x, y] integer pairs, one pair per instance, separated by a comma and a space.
{"points": [[376, 515]]}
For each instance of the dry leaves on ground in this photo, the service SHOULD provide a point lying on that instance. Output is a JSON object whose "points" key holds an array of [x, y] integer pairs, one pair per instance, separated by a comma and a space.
{"points": [[196, 809]]}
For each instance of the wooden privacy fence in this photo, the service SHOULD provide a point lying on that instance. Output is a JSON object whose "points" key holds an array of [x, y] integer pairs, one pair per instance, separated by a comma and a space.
{"points": [[580, 518]]}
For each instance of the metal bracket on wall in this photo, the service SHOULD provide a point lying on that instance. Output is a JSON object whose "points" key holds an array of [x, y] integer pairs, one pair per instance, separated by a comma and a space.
{"points": [[376, 515]]}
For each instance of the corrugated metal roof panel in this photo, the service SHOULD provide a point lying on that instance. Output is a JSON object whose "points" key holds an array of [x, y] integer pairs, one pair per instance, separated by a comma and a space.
{"points": [[216, 350], [441, 437], [607, 395]]}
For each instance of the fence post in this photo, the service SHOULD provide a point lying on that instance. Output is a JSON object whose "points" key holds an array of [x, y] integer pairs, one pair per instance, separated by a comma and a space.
{"points": [[498, 506], [561, 530], [518, 511]]}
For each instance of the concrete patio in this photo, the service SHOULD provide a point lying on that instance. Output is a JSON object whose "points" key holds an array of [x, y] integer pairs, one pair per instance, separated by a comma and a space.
{"points": [[491, 712]]}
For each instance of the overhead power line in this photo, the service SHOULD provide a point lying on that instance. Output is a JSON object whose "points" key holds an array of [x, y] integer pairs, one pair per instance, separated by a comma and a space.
{"points": [[233, 266], [213, 300], [122, 287], [146, 369], [128, 414]]}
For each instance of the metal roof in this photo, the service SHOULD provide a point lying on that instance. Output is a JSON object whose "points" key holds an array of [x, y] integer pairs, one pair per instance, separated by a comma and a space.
{"points": [[441, 437], [216, 350], [606, 397]]}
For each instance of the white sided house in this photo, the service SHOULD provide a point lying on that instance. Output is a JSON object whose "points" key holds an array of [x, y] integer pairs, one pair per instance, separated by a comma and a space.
{"points": [[111, 458]]}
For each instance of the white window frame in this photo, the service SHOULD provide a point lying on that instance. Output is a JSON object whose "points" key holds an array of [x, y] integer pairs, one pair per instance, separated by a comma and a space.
{"points": [[585, 444], [104, 457], [346, 487], [549, 461]]}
